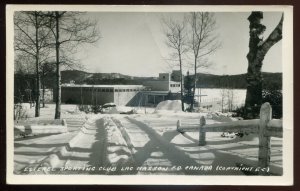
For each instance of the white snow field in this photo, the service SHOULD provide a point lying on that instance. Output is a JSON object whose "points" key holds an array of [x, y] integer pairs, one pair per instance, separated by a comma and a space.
{"points": [[119, 144], [213, 97]]}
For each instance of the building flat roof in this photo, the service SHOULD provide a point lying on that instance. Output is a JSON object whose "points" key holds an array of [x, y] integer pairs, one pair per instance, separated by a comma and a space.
{"points": [[163, 81], [102, 86], [158, 92]]}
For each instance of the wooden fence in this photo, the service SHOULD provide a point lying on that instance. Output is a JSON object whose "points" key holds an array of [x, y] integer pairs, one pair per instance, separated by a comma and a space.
{"points": [[265, 127]]}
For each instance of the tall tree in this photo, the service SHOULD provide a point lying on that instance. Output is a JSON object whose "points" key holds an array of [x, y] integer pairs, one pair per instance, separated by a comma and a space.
{"points": [[70, 31], [176, 39], [258, 48], [31, 39], [203, 41]]}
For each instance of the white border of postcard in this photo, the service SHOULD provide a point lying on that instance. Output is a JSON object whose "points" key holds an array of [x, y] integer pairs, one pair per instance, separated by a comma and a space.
{"points": [[287, 64]]}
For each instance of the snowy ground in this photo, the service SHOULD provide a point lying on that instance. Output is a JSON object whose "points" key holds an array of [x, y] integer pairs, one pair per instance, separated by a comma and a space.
{"points": [[136, 144]]}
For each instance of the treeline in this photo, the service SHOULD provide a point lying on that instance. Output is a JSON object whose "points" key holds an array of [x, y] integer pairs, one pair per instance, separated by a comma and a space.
{"points": [[270, 80], [25, 86], [273, 80]]}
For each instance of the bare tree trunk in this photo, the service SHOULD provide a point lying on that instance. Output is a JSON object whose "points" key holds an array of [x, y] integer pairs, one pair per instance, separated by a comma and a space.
{"points": [[37, 101], [257, 51], [194, 84], [254, 76], [58, 75], [43, 87], [181, 83]]}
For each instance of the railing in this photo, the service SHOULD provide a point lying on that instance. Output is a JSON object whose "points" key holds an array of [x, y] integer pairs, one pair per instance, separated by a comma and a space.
{"points": [[265, 127]]}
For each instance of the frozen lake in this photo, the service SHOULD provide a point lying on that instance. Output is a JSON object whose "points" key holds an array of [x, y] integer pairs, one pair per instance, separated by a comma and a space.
{"points": [[212, 98]]}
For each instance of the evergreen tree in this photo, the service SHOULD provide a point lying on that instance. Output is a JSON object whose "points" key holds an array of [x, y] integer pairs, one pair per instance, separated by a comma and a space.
{"points": [[188, 90]]}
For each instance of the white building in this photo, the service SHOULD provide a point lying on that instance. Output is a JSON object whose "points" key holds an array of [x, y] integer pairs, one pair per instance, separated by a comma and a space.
{"points": [[163, 83]]}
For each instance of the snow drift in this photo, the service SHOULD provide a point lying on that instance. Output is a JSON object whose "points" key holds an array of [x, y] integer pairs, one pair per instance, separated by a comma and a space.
{"points": [[169, 105]]}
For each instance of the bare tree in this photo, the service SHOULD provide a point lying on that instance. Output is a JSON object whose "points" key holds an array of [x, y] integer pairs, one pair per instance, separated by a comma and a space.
{"points": [[258, 48], [203, 41], [70, 31], [31, 40], [176, 39]]}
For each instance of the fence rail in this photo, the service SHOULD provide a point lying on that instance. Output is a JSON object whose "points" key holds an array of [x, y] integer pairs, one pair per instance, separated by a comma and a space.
{"points": [[265, 127]]}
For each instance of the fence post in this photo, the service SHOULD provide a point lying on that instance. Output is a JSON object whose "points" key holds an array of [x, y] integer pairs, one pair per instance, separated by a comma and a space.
{"points": [[202, 134], [264, 141]]}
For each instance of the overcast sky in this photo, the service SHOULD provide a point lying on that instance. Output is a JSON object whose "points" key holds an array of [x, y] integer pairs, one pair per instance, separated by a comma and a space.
{"points": [[134, 44]]}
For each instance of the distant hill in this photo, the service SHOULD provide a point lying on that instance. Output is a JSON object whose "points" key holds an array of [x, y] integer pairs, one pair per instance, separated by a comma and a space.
{"points": [[204, 80], [74, 75], [81, 77]]}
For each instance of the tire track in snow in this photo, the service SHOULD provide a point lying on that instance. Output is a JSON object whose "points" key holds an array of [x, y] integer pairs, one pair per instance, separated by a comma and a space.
{"points": [[81, 149], [89, 149]]}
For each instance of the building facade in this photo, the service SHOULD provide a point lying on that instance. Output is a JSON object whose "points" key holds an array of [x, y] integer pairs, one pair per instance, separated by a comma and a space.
{"points": [[149, 94], [163, 83], [99, 94]]}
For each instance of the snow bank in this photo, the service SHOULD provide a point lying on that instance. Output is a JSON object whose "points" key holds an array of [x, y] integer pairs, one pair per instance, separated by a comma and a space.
{"points": [[119, 109], [54, 160], [38, 130], [169, 105], [41, 128]]}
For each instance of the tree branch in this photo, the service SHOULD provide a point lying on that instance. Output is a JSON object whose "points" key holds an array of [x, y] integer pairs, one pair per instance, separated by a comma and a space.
{"points": [[273, 38]]}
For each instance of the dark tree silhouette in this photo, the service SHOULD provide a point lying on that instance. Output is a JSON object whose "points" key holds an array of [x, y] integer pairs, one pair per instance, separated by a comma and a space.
{"points": [[258, 48]]}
